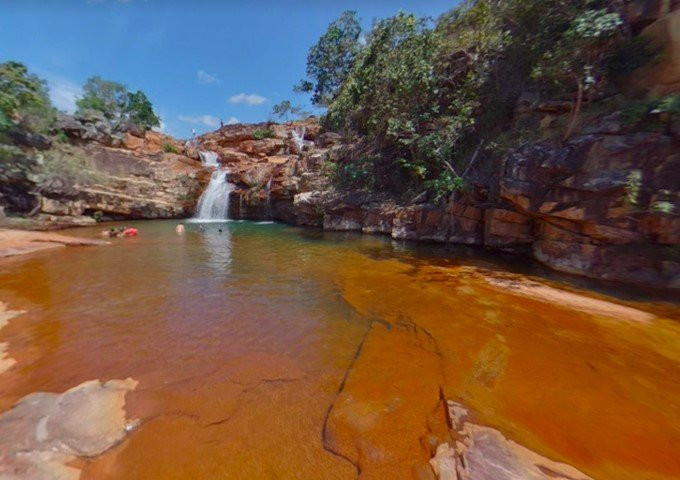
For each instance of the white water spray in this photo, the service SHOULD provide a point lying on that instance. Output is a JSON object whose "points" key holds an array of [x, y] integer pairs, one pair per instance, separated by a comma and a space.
{"points": [[299, 137], [209, 159], [214, 203]]}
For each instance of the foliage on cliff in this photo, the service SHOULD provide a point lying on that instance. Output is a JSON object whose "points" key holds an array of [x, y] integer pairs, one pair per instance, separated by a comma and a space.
{"points": [[116, 102], [425, 95], [23, 99]]}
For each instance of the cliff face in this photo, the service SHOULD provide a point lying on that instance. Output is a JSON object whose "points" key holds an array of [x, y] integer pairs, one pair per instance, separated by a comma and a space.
{"points": [[99, 171], [603, 204]]}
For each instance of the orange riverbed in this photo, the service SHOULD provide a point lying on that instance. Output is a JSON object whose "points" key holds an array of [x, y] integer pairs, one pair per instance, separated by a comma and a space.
{"points": [[266, 351]]}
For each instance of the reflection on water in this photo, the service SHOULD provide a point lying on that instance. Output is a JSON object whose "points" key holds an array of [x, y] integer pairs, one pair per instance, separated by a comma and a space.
{"points": [[241, 339], [216, 239]]}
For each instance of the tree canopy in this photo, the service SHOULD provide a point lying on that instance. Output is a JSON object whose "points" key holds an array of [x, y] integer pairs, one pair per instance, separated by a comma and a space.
{"points": [[116, 103], [330, 60], [23, 98], [424, 95]]}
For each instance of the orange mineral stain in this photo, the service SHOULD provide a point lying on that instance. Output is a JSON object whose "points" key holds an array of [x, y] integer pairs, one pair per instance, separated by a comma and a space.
{"points": [[265, 351]]}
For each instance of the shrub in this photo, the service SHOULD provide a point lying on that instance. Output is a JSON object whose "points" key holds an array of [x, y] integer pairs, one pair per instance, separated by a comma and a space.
{"points": [[263, 133], [663, 207], [169, 148], [61, 137]]}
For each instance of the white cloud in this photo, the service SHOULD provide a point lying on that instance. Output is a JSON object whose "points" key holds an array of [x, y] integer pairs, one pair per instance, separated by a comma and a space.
{"points": [[207, 120], [205, 77], [247, 99], [63, 92], [232, 121]]}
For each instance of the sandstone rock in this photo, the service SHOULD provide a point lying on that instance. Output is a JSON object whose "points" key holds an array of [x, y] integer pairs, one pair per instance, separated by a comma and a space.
{"points": [[44, 433], [228, 155], [662, 78], [131, 128], [503, 228], [29, 139], [132, 142], [444, 463], [328, 139], [267, 146], [483, 453]]}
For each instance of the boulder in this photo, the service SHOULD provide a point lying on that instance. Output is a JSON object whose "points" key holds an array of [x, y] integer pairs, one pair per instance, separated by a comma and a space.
{"points": [[661, 78], [328, 139], [30, 139]]}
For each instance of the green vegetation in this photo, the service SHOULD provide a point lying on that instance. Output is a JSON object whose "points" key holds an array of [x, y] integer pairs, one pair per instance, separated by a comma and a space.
{"points": [[663, 207], [116, 103], [636, 111], [61, 137], [424, 96], [263, 133], [284, 109], [140, 111], [169, 148], [23, 99], [633, 184], [69, 164], [330, 60]]}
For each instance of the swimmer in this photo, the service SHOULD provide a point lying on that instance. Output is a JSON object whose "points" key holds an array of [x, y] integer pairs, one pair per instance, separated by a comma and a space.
{"points": [[179, 229]]}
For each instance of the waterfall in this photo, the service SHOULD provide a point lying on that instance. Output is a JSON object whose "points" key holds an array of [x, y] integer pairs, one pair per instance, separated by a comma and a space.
{"points": [[269, 196], [214, 203], [208, 158], [299, 138]]}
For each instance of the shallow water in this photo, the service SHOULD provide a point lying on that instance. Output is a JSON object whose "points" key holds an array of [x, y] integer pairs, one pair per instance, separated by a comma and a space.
{"points": [[241, 341]]}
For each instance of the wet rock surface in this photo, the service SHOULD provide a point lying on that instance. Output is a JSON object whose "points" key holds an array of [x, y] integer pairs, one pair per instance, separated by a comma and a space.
{"points": [[483, 453], [42, 435]]}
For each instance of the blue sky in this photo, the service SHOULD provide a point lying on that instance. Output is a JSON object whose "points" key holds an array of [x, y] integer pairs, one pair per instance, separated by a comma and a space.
{"points": [[198, 61]]}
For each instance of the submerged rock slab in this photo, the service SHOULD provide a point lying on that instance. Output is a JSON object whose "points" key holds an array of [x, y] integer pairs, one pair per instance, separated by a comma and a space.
{"points": [[6, 362], [483, 453], [19, 242], [45, 432]]}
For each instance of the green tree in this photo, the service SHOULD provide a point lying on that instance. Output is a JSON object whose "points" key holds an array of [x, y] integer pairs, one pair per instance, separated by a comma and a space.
{"points": [[140, 111], [110, 98], [282, 109], [23, 99], [331, 59], [116, 103]]}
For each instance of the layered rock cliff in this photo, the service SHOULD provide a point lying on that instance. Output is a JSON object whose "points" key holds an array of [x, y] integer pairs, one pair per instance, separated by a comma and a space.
{"points": [[602, 204], [95, 170]]}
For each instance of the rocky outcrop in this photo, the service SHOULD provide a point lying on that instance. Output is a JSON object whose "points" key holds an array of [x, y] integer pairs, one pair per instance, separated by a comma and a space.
{"points": [[593, 203], [604, 204], [101, 170], [483, 453], [19, 242], [44, 433]]}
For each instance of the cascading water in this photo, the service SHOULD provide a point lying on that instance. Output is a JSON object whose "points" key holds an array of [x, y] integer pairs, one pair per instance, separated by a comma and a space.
{"points": [[269, 196], [208, 158], [214, 203], [299, 138]]}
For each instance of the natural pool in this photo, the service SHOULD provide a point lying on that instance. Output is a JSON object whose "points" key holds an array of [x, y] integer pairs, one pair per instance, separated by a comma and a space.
{"points": [[267, 351]]}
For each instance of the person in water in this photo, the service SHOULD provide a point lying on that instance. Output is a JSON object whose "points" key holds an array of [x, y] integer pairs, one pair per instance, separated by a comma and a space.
{"points": [[120, 232], [179, 229]]}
